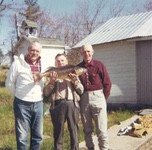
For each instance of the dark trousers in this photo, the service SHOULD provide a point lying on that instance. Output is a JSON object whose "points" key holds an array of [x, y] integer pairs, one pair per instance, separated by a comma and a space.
{"points": [[65, 110]]}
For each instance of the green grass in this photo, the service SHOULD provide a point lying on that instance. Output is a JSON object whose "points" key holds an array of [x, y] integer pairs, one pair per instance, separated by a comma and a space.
{"points": [[7, 131], [7, 138], [7, 134], [115, 117]]}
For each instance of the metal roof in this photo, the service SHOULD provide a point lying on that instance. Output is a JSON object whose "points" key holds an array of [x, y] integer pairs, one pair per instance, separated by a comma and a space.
{"points": [[121, 28], [29, 23]]}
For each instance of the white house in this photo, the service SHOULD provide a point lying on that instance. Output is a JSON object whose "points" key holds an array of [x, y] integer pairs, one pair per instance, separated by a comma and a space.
{"points": [[124, 44], [50, 47]]}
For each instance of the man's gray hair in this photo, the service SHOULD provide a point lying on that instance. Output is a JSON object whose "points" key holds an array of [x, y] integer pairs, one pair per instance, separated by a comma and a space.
{"points": [[87, 46]]}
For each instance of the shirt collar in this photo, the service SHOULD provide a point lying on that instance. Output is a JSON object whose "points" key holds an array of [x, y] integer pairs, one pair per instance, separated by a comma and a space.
{"points": [[29, 61], [90, 64]]}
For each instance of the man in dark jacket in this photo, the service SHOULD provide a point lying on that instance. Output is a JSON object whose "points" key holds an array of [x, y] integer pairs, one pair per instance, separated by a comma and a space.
{"points": [[64, 99]]}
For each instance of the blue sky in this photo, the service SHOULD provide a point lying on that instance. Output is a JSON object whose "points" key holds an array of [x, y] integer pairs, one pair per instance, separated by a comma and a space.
{"points": [[61, 6], [56, 6]]}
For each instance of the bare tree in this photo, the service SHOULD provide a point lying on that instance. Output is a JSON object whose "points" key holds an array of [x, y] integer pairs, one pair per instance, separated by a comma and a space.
{"points": [[50, 25], [148, 5], [4, 6], [89, 13], [1, 56], [116, 8], [32, 11], [70, 28]]}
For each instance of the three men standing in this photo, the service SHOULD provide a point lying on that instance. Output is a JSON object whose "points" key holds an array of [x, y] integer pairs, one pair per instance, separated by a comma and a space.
{"points": [[28, 105]]}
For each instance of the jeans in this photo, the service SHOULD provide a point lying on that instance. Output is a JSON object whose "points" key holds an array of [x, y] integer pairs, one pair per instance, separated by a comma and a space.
{"points": [[28, 115]]}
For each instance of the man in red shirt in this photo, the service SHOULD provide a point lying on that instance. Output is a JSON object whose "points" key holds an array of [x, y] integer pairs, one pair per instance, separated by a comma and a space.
{"points": [[97, 86]]}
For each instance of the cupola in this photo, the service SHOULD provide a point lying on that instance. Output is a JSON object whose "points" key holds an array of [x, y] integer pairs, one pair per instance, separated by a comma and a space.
{"points": [[30, 28]]}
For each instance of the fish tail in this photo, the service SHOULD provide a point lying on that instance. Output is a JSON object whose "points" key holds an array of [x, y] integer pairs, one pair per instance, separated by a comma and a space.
{"points": [[37, 77]]}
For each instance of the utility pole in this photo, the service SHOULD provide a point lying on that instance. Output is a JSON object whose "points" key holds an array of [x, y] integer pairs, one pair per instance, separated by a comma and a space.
{"points": [[17, 28]]}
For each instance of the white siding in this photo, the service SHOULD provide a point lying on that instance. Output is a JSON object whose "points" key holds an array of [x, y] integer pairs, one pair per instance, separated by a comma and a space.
{"points": [[120, 60], [48, 56]]}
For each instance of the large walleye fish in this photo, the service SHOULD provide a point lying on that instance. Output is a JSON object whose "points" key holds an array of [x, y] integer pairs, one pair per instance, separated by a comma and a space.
{"points": [[62, 72]]}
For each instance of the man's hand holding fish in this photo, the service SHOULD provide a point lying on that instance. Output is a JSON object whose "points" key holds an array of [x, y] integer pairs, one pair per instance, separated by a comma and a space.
{"points": [[62, 72], [53, 76]]}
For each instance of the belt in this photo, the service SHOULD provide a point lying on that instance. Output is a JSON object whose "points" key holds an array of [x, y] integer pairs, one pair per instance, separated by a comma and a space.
{"points": [[58, 101], [93, 91]]}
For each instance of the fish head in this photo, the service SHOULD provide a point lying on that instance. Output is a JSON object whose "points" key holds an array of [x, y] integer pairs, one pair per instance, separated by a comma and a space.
{"points": [[80, 70]]}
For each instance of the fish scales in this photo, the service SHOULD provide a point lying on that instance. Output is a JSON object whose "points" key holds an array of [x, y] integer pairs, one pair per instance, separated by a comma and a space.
{"points": [[62, 72]]}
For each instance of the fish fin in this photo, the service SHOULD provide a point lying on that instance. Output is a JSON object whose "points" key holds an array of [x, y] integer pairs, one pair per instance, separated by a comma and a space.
{"points": [[71, 67], [68, 66], [49, 69]]}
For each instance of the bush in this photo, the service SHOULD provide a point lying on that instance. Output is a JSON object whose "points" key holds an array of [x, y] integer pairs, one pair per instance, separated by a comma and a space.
{"points": [[3, 73]]}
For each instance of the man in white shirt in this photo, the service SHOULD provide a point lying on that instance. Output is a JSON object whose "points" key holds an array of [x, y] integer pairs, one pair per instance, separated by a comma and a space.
{"points": [[28, 104]]}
